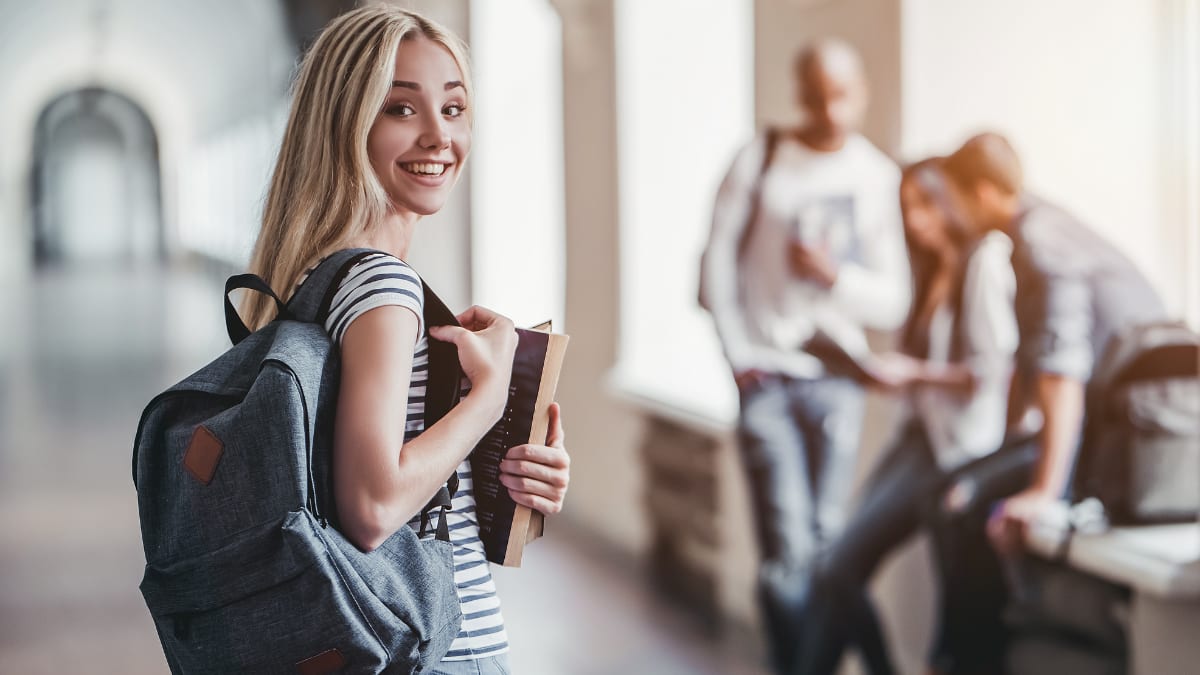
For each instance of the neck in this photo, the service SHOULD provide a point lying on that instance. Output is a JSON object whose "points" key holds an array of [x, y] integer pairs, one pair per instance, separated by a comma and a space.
{"points": [[996, 219], [819, 142], [947, 256], [1001, 213], [393, 234]]}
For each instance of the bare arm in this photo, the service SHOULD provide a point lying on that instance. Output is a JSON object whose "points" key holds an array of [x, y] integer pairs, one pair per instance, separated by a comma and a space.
{"points": [[1061, 401], [953, 376], [1018, 399], [380, 482], [896, 370]]}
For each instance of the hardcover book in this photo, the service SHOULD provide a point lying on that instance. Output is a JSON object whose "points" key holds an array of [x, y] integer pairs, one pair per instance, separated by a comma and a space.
{"points": [[505, 526]]}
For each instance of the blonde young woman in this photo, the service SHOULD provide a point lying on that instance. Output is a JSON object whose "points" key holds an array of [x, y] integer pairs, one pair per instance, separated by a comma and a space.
{"points": [[378, 134]]}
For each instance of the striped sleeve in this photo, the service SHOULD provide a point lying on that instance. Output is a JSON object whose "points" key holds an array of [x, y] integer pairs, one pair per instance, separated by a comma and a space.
{"points": [[378, 280]]}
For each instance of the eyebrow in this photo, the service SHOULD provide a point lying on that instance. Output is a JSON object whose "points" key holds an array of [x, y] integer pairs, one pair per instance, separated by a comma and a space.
{"points": [[416, 87]]}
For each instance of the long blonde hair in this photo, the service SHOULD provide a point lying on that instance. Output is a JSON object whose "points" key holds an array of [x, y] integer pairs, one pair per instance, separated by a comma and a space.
{"points": [[324, 194]]}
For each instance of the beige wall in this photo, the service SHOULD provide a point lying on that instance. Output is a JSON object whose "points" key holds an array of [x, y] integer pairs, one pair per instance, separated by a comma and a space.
{"points": [[606, 495], [872, 26], [1081, 88]]}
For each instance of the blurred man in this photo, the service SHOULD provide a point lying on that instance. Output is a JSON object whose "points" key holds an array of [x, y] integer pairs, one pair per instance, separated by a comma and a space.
{"points": [[1074, 292], [806, 240]]}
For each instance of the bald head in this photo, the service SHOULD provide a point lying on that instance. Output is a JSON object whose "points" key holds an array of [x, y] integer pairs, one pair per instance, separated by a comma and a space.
{"points": [[829, 56], [832, 90], [986, 157], [987, 180]]}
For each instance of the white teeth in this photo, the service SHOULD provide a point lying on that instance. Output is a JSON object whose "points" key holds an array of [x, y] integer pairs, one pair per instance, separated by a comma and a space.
{"points": [[425, 169]]}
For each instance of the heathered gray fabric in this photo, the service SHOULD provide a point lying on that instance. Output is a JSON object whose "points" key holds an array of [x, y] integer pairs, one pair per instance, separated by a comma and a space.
{"points": [[240, 576], [1075, 291]]}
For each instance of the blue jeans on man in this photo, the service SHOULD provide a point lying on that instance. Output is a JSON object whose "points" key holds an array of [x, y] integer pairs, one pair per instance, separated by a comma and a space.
{"points": [[799, 442]]}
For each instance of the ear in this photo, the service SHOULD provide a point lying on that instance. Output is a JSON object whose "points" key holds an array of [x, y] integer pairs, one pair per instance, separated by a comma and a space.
{"points": [[988, 195]]}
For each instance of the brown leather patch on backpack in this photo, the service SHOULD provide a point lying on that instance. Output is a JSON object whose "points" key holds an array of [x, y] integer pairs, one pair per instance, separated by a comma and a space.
{"points": [[203, 454], [325, 662]]}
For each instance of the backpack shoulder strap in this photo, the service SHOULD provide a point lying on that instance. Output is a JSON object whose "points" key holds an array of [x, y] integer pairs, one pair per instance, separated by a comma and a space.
{"points": [[772, 137], [445, 372], [312, 300], [444, 385]]}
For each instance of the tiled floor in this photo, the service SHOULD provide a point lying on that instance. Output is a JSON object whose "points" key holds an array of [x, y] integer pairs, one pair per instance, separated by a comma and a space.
{"points": [[81, 351]]}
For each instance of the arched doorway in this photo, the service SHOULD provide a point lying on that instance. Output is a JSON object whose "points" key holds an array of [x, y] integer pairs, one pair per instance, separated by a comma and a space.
{"points": [[96, 187]]}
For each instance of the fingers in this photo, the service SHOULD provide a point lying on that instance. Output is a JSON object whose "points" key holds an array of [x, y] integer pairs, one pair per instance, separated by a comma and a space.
{"points": [[544, 496], [1005, 531], [552, 476], [748, 378], [536, 502], [447, 333], [478, 318], [959, 496], [537, 476], [553, 491], [549, 455]]}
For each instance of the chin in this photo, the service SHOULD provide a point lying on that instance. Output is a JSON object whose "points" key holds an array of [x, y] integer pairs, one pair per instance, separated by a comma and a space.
{"points": [[424, 208]]}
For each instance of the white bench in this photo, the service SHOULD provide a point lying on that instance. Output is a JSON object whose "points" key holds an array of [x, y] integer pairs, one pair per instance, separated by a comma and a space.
{"points": [[1161, 566]]}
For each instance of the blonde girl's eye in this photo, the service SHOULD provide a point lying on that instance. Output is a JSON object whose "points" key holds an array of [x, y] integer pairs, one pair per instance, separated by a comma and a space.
{"points": [[454, 110], [400, 110]]}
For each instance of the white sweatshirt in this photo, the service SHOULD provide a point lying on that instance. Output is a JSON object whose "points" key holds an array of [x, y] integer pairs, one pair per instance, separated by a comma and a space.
{"points": [[845, 201]]}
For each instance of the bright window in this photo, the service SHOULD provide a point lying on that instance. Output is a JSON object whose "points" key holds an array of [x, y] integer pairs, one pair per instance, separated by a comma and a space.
{"points": [[1184, 154], [685, 105], [517, 161]]}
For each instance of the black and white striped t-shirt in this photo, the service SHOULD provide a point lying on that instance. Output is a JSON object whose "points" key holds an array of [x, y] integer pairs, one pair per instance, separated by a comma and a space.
{"points": [[380, 280]]}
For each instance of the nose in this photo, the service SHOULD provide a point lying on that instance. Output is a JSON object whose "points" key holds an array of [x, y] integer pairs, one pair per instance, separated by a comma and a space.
{"points": [[435, 135], [828, 113]]}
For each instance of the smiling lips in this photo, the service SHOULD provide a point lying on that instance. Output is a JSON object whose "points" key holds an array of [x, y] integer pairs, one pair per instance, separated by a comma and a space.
{"points": [[425, 168]]}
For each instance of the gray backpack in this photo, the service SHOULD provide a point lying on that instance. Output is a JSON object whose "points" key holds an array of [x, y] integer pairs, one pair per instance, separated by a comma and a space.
{"points": [[244, 572], [1140, 455]]}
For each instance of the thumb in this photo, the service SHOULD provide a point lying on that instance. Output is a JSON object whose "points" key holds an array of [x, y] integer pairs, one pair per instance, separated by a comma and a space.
{"points": [[556, 436], [447, 333]]}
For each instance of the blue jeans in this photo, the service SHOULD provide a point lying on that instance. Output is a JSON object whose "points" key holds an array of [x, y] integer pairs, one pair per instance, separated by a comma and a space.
{"points": [[485, 665], [799, 442]]}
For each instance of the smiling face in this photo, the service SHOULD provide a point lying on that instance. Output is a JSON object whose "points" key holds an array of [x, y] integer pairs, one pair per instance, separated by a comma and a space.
{"points": [[422, 135]]}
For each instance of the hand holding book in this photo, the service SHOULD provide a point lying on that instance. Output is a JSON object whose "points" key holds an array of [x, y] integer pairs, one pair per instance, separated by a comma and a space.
{"points": [[520, 466], [537, 475], [485, 343], [895, 371], [857, 362]]}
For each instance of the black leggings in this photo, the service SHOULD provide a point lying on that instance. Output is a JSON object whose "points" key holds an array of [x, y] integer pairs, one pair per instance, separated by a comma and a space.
{"points": [[905, 493]]}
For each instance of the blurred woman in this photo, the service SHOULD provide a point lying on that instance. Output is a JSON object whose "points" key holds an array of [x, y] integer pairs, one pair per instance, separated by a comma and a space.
{"points": [[954, 363]]}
